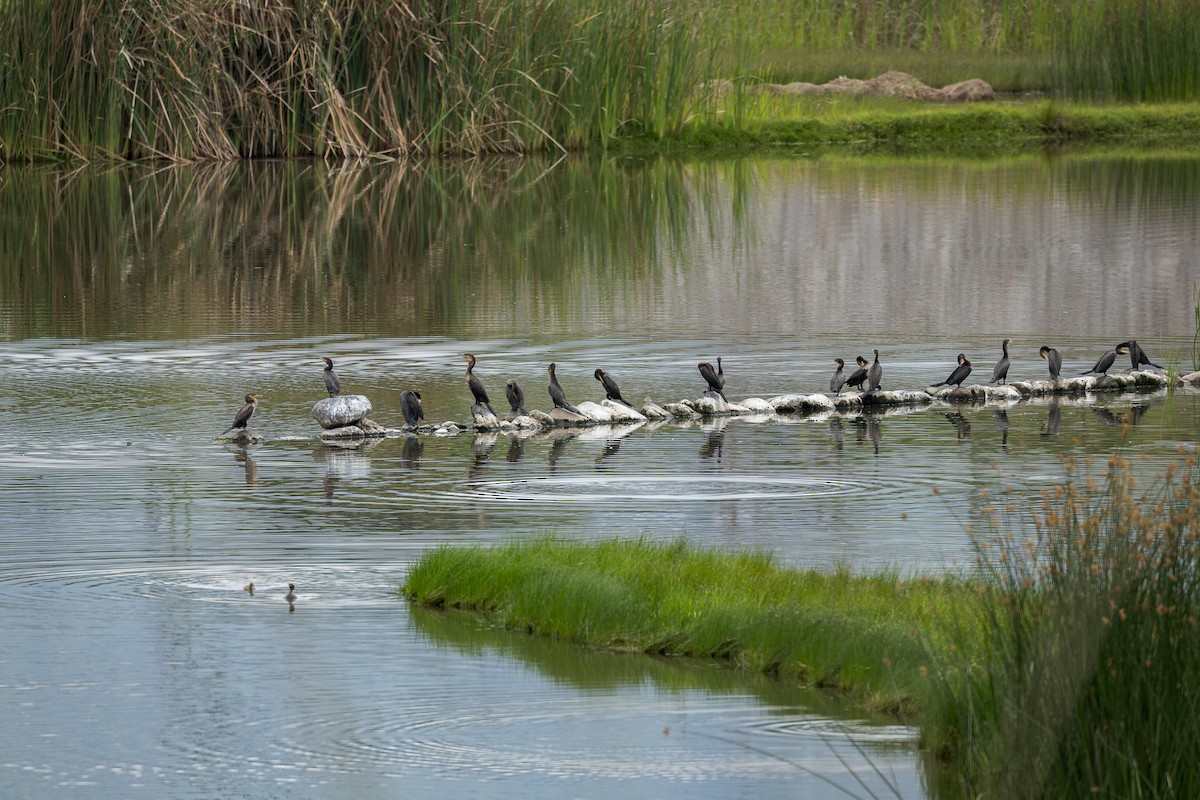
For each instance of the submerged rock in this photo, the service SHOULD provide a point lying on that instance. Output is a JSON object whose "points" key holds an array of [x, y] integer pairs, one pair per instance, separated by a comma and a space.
{"points": [[337, 412], [361, 429], [243, 436]]}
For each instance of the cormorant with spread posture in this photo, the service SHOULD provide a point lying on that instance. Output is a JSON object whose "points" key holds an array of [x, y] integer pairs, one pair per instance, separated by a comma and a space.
{"points": [[516, 397], [859, 375], [410, 406], [611, 390], [1137, 356], [875, 374], [557, 394], [960, 372], [1105, 362], [714, 378], [1054, 359], [475, 385], [839, 378], [1000, 373], [244, 415], [332, 384]]}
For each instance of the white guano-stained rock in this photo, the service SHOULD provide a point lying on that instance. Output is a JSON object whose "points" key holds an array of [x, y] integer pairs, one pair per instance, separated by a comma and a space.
{"points": [[340, 411], [621, 412], [653, 411], [594, 411]]}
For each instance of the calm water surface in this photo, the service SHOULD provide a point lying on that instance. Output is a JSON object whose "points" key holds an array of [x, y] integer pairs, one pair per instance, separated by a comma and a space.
{"points": [[137, 306]]}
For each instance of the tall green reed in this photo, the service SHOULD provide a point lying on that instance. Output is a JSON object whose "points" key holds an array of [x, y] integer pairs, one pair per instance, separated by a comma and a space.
{"points": [[1091, 681]]}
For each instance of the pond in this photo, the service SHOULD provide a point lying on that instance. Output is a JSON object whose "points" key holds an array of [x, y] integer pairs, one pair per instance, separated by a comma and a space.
{"points": [[139, 304]]}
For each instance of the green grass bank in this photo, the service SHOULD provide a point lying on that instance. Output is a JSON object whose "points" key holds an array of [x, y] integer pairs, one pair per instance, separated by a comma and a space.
{"points": [[1069, 668]]}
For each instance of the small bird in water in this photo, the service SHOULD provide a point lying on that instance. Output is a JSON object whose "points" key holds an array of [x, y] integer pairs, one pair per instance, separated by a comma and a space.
{"points": [[611, 390], [556, 392], [332, 384], [875, 374], [1105, 362], [1000, 373], [475, 385], [839, 378], [291, 595], [516, 397], [1137, 356], [244, 415], [1053, 359], [249, 588], [410, 407], [714, 377], [856, 379], [960, 372]]}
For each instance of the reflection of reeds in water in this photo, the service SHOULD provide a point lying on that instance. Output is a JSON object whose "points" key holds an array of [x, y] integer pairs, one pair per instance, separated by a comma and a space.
{"points": [[299, 245], [1092, 675]]}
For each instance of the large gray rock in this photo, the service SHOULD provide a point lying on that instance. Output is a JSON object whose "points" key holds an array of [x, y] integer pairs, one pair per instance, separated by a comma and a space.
{"points": [[560, 416], [621, 412], [654, 411], [484, 420], [594, 411], [362, 428], [340, 411]]}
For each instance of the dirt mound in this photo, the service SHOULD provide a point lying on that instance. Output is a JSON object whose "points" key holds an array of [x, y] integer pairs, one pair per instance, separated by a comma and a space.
{"points": [[889, 84]]}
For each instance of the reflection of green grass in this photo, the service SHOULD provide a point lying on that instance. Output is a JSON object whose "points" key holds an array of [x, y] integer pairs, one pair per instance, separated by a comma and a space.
{"points": [[866, 635], [1071, 662]]}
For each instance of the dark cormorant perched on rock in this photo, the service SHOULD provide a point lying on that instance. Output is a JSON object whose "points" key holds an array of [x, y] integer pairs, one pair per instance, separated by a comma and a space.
{"points": [[714, 377], [1137, 356], [611, 390], [244, 415], [556, 392], [859, 376], [516, 397], [1105, 362], [475, 385], [1000, 373], [1054, 359], [960, 372], [410, 406], [332, 384], [875, 374], [839, 378]]}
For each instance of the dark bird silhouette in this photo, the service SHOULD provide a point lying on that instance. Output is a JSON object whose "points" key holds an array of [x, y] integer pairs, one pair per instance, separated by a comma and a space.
{"points": [[410, 406], [1053, 359], [859, 376], [1137, 356], [960, 372], [475, 385], [839, 378], [516, 397], [556, 392], [875, 374], [291, 595], [1105, 362], [332, 384], [1000, 373], [244, 415], [714, 377], [611, 390]]}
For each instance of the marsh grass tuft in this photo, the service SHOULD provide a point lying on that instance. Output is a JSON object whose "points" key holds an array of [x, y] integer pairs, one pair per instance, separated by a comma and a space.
{"points": [[1091, 674]]}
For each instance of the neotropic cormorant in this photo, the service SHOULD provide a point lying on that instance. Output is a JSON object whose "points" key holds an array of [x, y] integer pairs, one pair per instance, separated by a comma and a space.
{"points": [[611, 390], [410, 406], [960, 372], [244, 415], [249, 588], [1137, 356], [475, 385], [875, 374], [556, 392], [714, 378], [839, 378], [1105, 362], [1054, 359], [291, 595], [332, 384], [516, 397], [1000, 373], [859, 375]]}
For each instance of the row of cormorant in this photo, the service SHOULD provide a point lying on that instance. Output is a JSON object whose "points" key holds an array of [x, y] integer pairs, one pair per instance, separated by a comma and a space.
{"points": [[867, 374]]}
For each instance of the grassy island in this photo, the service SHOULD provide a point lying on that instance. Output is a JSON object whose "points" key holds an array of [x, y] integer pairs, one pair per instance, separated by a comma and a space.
{"points": [[1070, 666]]}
